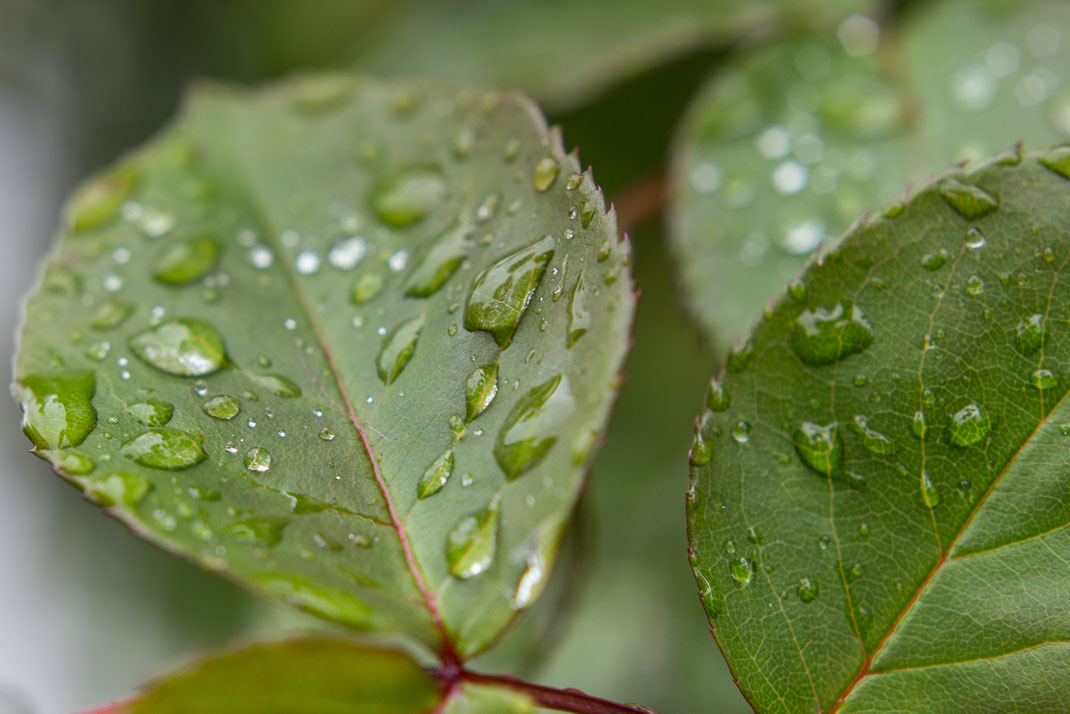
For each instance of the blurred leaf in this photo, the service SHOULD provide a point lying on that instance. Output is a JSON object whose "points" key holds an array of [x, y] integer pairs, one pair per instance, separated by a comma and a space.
{"points": [[878, 514], [481, 699], [793, 141], [315, 363], [562, 51], [307, 676]]}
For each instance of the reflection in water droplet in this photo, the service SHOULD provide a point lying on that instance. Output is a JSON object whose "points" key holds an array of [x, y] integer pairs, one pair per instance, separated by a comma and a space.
{"points": [[500, 295], [408, 195], [169, 449], [808, 590], [969, 425], [186, 260], [975, 239], [929, 495], [152, 412], [257, 459], [822, 336], [398, 348], [473, 542], [326, 434], [1042, 379], [819, 446], [440, 261], [1031, 334], [183, 347], [872, 439], [436, 475], [222, 406], [741, 570], [480, 389], [741, 431], [936, 260], [524, 439]]}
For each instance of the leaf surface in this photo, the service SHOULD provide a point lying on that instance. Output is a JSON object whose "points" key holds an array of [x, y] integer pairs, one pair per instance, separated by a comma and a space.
{"points": [[308, 676], [793, 141], [274, 407], [878, 516]]}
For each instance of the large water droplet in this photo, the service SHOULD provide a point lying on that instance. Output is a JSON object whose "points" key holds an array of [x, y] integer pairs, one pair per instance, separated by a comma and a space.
{"points": [[808, 590], [97, 203], [741, 570], [111, 313], [440, 261], [1058, 160], [169, 449], [579, 317], [1042, 379], [277, 384], [501, 293], [222, 406], [935, 260], [820, 447], [186, 260], [332, 603], [57, 411], [545, 173], [822, 336], [152, 412], [73, 463], [872, 439], [480, 389], [408, 195], [120, 489], [366, 287], [436, 475], [524, 438], [969, 201], [969, 425], [257, 459], [473, 542], [184, 347], [398, 348], [718, 398], [1031, 334]]}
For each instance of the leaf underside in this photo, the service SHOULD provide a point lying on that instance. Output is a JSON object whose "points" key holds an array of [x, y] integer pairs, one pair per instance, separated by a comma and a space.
{"points": [[255, 340], [791, 142], [879, 503]]}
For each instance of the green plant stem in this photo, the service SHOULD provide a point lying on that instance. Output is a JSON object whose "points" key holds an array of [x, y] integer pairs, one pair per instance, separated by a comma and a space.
{"points": [[565, 700]]}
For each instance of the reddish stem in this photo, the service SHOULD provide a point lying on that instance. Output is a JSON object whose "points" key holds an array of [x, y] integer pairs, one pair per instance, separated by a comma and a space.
{"points": [[565, 700], [642, 200]]}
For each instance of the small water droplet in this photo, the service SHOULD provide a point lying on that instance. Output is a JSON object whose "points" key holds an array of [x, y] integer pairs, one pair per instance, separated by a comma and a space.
{"points": [[480, 389], [545, 173], [152, 412], [186, 260], [718, 398], [222, 406], [741, 570], [398, 348], [936, 260], [741, 432], [579, 317], [408, 195], [808, 590], [1058, 160], [436, 475], [919, 425], [975, 239], [472, 543], [1031, 334], [111, 313], [872, 439], [929, 495], [57, 411], [1042, 379], [969, 425], [820, 447], [975, 285], [257, 459], [119, 489]]}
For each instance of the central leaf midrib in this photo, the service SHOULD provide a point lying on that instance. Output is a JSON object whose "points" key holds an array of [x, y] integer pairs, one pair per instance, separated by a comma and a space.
{"points": [[866, 669], [263, 218]]}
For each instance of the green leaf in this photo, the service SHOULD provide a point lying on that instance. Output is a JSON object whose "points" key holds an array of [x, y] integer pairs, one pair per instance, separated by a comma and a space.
{"points": [[792, 142], [308, 676], [296, 435], [483, 699], [563, 52], [885, 527]]}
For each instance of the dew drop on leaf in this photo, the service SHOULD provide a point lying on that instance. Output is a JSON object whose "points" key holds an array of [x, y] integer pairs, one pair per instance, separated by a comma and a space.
{"points": [[500, 295], [366, 287], [165, 448], [440, 261], [111, 313], [151, 412], [398, 348], [969, 425], [222, 406], [872, 439], [929, 495], [823, 336], [819, 446], [524, 439], [436, 475], [119, 489], [1031, 334], [183, 347], [579, 317], [186, 260], [473, 543], [545, 173], [257, 459], [969, 201], [57, 411], [718, 398], [1042, 379], [808, 590], [480, 389], [741, 570], [408, 195]]}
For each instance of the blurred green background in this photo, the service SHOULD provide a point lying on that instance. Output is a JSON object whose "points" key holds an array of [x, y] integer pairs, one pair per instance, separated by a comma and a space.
{"points": [[87, 611]]}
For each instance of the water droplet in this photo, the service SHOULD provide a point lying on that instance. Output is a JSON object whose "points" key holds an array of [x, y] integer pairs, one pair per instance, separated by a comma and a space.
{"points": [[366, 287], [579, 317], [480, 389], [57, 411], [1042, 379], [741, 432], [326, 434], [969, 425], [398, 348], [346, 254], [523, 440], [741, 570], [919, 425], [119, 489], [740, 358], [183, 347], [1058, 160], [1031, 334], [152, 412], [262, 530], [277, 384], [257, 459], [820, 447], [822, 336], [808, 590], [975, 239], [436, 475], [545, 173], [500, 294], [975, 285], [935, 260], [969, 201], [97, 203], [717, 398], [929, 495], [307, 262], [73, 463], [222, 406], [473, 542], [408, 195], [111, 313], [186, 260], [169, 449], [872, 439], [440, 261], [701, 448], [797, 289]]}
